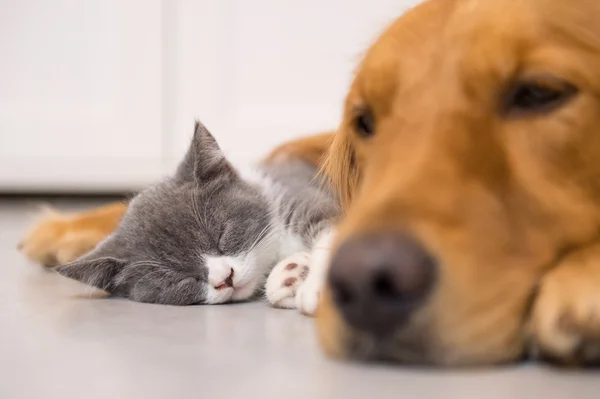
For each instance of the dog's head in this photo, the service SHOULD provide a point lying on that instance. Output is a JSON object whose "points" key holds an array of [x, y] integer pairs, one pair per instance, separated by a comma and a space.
{"points": [[469, 163]]}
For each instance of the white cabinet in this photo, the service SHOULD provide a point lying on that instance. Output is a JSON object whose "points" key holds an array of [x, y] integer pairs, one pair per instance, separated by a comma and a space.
{"points": [[101, 94], [80, 94]]}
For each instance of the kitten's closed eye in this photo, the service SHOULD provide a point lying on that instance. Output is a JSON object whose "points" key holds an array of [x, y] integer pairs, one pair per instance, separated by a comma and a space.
{"points": [[243, 230], [235, 239]]}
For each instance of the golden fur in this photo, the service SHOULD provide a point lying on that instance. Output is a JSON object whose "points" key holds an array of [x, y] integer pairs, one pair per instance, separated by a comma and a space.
{"points": [[61, 238], [510, 206]]}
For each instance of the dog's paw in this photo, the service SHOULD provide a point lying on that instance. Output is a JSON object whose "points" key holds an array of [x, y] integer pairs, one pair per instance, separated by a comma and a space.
{"points": [[42, 243], [309, 294], [565, 322], [285, 278], [54, 240]]}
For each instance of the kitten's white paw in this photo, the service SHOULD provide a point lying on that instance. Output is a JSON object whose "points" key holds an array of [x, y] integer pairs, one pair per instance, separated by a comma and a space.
{"points": [[285, 278]]}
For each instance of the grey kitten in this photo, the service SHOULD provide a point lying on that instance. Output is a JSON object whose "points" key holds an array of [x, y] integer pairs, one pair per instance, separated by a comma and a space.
{"points": [[210, 233]]}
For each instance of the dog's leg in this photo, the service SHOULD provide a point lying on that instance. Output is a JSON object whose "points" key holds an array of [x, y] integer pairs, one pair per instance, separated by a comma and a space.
{"points": [[566, 315], [61, 238], [297, 281], [309, 293]]}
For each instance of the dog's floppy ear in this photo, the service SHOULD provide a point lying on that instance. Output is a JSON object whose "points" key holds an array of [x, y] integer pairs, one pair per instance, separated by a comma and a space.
{"points": [[340, 168]]}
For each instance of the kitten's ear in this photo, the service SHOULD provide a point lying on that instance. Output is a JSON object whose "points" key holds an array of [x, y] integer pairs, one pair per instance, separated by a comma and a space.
{"points": [[204, 160], [97, 269], [98, 272]]}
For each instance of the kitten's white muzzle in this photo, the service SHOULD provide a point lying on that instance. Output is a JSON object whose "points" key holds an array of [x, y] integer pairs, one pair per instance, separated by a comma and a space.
{"points": [[229, 279]]}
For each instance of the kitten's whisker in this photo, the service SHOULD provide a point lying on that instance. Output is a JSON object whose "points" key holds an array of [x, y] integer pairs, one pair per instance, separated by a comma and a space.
{"points": [[147, 263], [267, 239], [264, 231], [263, 244]]}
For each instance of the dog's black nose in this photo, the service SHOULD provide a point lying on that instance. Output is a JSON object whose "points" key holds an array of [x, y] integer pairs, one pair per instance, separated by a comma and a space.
{"points": [[378, 281]]}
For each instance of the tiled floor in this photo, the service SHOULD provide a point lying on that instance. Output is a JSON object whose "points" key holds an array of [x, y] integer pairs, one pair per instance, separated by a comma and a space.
{"points": [[57, 341]]}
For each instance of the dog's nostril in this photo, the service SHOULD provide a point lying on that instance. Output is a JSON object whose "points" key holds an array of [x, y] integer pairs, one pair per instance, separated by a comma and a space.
{"points": [[378, 281], [383, 286], [341, 293]]}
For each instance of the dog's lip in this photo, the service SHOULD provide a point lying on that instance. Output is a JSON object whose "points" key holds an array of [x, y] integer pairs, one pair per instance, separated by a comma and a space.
{"points": [[402, 346], [388, 351]]}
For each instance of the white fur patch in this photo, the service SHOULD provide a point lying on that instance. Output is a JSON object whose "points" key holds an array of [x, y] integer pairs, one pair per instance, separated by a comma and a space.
{"points": [[249, 270], [285, 278], [219, 268], [308, 295], [290, 244], [253, 175]]}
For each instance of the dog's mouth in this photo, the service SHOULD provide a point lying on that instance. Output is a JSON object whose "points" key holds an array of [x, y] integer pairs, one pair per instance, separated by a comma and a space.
{"points": [[430, 340], [408, 344], [419, 351], [475, 312], [367, 348]]}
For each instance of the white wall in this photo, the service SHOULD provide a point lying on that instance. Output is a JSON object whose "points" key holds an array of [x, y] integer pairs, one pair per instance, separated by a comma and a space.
{"points": [[101, 95]]}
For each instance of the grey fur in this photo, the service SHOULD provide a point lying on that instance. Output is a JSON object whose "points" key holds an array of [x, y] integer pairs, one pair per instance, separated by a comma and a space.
{"points": [[206, 208], [300, 201]]}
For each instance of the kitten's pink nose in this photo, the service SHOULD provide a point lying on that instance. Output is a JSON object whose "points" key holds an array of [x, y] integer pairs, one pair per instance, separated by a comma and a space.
{"points": [[227, 282]]}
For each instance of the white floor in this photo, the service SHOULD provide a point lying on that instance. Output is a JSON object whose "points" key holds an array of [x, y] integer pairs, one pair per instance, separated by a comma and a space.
{"points": [[58, 342]]}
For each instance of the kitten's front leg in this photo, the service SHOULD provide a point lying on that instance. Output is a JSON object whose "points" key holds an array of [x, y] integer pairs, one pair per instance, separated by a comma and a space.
{"points": [[308, 295], [285, 278], [297, 281]]}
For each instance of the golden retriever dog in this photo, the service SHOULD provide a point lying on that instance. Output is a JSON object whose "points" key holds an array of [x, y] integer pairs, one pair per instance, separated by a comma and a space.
{"points": [[468, 166]]}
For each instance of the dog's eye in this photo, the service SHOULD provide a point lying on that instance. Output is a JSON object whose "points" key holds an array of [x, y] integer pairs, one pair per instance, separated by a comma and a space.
{"points": [[364, 124], [534, 97]]}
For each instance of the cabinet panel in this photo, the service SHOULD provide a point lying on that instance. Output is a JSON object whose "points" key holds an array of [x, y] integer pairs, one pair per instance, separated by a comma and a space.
{"points": [[101, 94], [81, 98], [263, 71]]}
